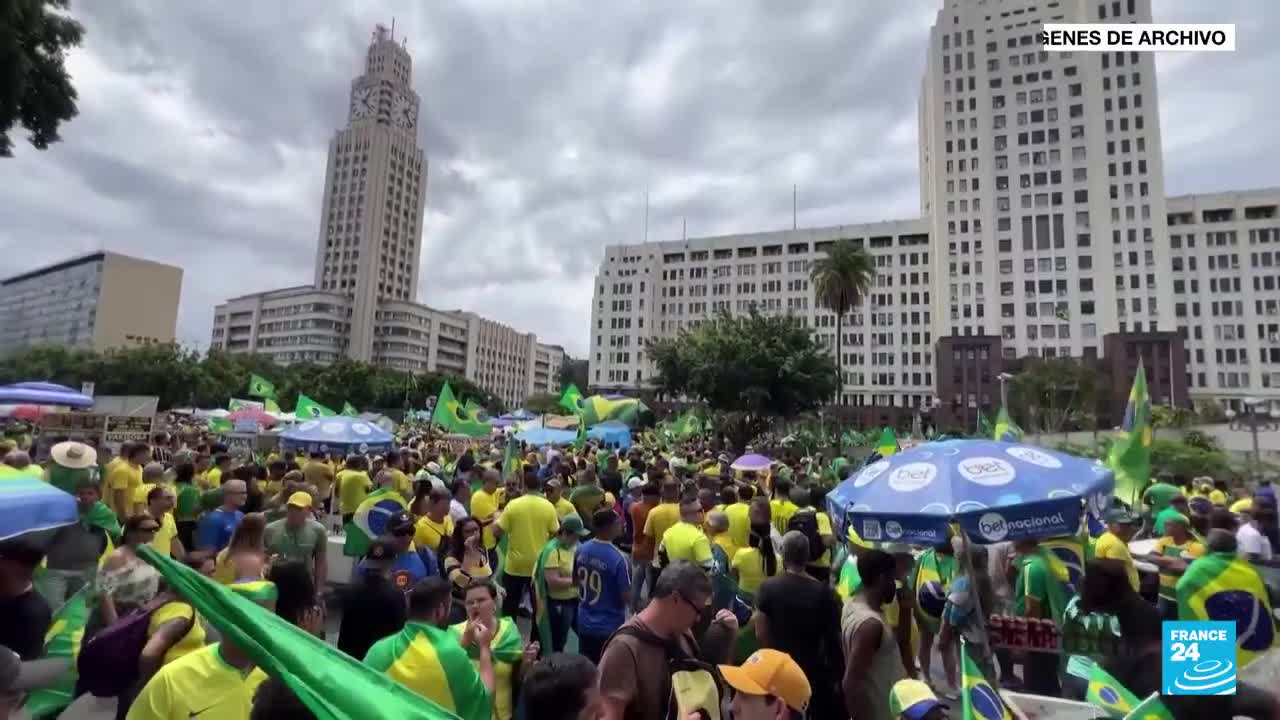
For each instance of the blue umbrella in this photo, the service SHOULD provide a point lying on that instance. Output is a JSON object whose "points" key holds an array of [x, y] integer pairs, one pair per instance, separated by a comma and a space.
{"points": [[43, 393], [995, 490], [30, 505], [337, 434]]}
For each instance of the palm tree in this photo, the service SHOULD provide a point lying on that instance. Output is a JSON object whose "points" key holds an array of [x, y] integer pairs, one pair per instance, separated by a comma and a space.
{"points": [[841, 281]]}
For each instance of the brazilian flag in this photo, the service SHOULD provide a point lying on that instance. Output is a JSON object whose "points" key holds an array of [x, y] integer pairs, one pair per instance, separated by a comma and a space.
{"points": [[1221, 586], [308, 408], [1107, 693], [934, 572], [330, 683], [430, 661], [506, 647], [1130, 455], [349, 410], [542, 595], [570, 399], [261, 387], [370, 520], [1006, 429], [1070, 551], [981, 700], [888, 443], [1153, 708], [454, 417], [61, 641]]}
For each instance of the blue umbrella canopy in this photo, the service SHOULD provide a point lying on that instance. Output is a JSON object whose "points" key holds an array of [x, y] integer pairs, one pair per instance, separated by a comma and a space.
{"points": [[43, 393], [996, 491], [29, 505], [338, 433]]}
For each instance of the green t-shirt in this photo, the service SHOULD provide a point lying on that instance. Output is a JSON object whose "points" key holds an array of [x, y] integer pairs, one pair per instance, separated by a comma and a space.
{"points": [[1033, 581], [298, 544], [1160, 495]]}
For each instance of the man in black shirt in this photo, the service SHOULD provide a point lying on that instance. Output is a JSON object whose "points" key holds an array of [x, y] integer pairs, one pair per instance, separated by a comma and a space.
{"points": [[373, 607], [26, 615], [801, 617]]}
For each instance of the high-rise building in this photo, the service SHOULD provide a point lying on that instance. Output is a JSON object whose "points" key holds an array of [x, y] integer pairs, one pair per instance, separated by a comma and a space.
{"points": [[374, 190], [98, 301], [362, 303], [1044, 233]]}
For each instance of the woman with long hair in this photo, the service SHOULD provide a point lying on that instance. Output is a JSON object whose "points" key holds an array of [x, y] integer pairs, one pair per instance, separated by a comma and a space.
{"points": [[466, 563], [757, 561], [244, 559]]}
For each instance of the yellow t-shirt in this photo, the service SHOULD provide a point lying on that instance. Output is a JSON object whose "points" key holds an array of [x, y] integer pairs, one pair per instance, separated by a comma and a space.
{"points": [[401, 483], [163, 540], [564, 507], [684, 541], [781, 512], [125, 476], [750, 566], [660, 519], [213, 478], [1165, 546], [353, 487], [189, 643], [1217, 497], [727, 544], [199, 684], [483, 506], [561, 559], [529, 521], [430, 534], [1242, 505], [739, 523], [1110, 547]]}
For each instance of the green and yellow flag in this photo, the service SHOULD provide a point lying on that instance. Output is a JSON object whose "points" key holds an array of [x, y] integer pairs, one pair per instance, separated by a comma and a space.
{"points": [[932, 582], [1130, 455], [507, 645], [308, 408], [598, 408], [1006, 429], [980, 699], [61, 641], [687, 425], [1106, 693], [430, 660], [370, 520], [511, 457], [569, 399], [580, 441], [261, 387], [888, 443], [220, 425], [455, 418], [270, 406], [1153, 708], [1221, 586], [331, 684], [542, 594], [349, 410]]}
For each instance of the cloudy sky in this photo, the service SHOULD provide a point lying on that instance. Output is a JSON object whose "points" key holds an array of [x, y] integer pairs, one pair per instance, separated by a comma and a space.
{"points": [[203, 126]]}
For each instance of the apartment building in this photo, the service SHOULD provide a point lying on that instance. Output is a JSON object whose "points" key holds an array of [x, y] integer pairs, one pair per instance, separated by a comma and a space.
{"points": [[97, 301], [1045, 232]]}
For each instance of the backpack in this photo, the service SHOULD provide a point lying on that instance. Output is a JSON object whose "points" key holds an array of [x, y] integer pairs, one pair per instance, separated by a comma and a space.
{"points": [[806, 522], [108, 661], [695, 687]]}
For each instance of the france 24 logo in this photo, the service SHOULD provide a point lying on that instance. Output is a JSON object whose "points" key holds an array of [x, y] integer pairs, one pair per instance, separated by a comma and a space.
{"points": [[1198, 658]]}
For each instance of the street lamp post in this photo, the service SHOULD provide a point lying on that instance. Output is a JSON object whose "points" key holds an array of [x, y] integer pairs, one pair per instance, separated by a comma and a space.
{"points": [[1254, 419], [1004, 378]]}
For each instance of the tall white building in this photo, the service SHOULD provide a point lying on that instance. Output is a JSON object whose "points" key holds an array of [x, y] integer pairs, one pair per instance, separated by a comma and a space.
{"points": [[1042, 174], [362, 303], [1045, 232]]}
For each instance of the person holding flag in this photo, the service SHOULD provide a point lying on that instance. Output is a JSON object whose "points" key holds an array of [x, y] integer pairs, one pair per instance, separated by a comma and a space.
{"points": [[930, 585], [555, 593], [1173, 552]]}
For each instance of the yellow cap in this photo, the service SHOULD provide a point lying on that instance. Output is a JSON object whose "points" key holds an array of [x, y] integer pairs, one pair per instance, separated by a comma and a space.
{"points": [[300, 499], [770, 672], [912, 699]]}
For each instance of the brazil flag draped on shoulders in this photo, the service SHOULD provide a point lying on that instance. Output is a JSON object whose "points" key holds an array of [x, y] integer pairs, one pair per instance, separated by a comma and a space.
{"points": [[542, 595], [425, 657], [932, 581], [1221, 586], [332, 684]]}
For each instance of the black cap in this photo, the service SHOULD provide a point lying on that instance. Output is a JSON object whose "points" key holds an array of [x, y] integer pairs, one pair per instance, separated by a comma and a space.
{"points": [[379, 554], [399, 523], [601, 519]]}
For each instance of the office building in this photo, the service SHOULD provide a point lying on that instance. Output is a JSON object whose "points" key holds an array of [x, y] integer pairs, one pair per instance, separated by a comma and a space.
{"points": [[98, 301], [1044, 232], [362, 303]]}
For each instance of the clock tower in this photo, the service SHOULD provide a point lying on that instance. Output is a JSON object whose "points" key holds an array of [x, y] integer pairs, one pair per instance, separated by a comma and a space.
{"points": [[375, 190]]}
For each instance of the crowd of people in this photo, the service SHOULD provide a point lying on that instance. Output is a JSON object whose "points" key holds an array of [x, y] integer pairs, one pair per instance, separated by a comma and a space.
{"points": [[585, 583]]}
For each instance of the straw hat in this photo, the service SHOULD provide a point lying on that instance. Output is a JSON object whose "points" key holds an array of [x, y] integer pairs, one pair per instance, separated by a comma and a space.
{"points": [[74, 455]]}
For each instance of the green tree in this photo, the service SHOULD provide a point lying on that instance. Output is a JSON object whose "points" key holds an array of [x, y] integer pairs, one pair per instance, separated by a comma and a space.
{"points": [[1050, 392], [747, 368], [35, 89], [841, 281], [542, 403]]}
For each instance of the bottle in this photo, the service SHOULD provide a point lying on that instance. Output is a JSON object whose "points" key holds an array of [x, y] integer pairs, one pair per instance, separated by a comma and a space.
{"points": [[1052, 638], [1019, 632]]}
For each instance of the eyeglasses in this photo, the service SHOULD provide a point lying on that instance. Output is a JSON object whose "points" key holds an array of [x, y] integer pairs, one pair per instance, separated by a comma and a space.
{"points": [[697, 609]]}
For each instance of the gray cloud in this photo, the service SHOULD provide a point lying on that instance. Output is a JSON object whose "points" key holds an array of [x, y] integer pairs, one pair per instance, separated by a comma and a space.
{"points": [[204, 127]]}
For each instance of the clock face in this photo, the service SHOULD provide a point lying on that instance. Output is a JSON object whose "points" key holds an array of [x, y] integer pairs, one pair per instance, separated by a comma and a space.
{"points": [[403, 113], [362, 103]]}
